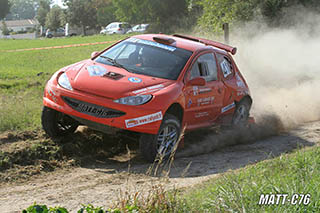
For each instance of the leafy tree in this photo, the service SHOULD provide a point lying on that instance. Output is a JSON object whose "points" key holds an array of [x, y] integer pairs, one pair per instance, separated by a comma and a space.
{"points": [[216, 12], [133, 11], [106, 13], [164, 15], [195, 10], [43, 10], [82, 13], [53, 19], [4, 8], [22, 9]]}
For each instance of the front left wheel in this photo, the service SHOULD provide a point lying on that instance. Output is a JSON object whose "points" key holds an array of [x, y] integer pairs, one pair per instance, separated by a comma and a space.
{"points": [[56, 123], [164, 144]]}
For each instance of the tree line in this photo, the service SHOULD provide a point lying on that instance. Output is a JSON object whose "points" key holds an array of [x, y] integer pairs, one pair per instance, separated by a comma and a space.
{"points": [[163, 15]]}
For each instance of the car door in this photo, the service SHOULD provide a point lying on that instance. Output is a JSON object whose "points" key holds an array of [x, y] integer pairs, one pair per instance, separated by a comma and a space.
{"points": [[227, 71], [203, 103]]}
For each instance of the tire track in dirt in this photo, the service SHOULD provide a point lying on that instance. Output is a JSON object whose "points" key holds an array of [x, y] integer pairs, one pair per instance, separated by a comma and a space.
{"points": [[100, 182]]}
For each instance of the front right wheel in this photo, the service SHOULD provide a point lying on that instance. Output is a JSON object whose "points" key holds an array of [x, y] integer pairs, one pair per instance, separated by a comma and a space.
{"points": [[164, 144], [56, 123]]}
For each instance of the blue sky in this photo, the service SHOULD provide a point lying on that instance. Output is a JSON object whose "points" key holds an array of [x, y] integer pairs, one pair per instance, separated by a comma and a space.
{"points": [[58, 2]]}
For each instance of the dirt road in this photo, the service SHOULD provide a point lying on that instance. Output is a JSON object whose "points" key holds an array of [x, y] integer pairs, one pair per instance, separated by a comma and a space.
{"points": [[99, 183]]}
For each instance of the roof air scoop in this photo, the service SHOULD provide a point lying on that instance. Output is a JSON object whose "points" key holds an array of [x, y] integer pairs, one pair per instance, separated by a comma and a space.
{"points": [[164, 40]]}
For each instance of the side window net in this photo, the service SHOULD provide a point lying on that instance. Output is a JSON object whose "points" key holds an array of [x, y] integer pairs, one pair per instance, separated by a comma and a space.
{"points": [[225, 65], [205, 67]]}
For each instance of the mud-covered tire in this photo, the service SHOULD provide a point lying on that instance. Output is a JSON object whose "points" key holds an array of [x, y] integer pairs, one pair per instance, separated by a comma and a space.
{"points": [[150, 145], [241, 114], [57, 124]]}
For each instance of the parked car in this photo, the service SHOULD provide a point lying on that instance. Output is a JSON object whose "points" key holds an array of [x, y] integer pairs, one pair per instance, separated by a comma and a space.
{"points": [[58, 33], [72, 30], [139, 28], [116, 28], [153, 84]]}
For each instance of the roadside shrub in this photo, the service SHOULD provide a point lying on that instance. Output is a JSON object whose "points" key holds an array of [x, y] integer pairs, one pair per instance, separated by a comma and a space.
{"points": [[44, 209], [4, 29]]}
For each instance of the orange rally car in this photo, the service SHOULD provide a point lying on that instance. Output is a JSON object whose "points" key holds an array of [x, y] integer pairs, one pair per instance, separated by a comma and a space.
{"points": [[157, 85]]}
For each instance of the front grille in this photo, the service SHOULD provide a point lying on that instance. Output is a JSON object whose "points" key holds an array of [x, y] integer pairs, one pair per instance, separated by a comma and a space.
{"points": [[92, 109]]}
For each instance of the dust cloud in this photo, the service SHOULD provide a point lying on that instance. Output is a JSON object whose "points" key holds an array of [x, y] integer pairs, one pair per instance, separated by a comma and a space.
{"points": [[282, 68]]}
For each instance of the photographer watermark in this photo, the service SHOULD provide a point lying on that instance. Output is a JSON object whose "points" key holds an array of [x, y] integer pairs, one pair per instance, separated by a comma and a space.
{"points": [[282, 199]]}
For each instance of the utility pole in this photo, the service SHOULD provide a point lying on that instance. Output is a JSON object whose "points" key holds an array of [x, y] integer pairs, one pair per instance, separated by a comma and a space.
{"points": [[225, 27]]}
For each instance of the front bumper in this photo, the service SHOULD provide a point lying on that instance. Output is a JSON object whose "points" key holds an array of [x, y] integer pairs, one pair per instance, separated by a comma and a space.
{"points": [[99, 111]]}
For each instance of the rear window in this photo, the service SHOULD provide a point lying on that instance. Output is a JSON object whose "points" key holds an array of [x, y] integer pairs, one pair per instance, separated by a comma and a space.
{"points": [[147, 58]]}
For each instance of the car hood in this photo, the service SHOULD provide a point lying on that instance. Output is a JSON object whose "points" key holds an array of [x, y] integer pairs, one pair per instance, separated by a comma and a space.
{"points": [[110, 81]]}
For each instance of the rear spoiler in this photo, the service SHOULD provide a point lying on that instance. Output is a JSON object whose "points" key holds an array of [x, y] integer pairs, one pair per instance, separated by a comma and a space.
{"points": [[232, 50]]}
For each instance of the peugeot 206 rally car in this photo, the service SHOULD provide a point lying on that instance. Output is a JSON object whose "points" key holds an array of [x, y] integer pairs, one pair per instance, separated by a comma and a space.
{"points": [[155, 84]]}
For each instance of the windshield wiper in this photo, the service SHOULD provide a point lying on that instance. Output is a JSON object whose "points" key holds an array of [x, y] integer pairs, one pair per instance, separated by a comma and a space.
{"points": [[114, 62]]}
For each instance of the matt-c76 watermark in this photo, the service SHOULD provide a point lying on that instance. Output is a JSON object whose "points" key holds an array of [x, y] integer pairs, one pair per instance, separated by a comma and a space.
{"points": [[282, 199]]}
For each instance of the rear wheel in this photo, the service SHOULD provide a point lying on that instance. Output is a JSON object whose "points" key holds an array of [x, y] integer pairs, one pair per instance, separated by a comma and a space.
{"points": [[56, 123], [241, 114], [162, 145]]}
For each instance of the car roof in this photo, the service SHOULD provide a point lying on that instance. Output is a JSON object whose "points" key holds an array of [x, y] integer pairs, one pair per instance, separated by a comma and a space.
{"points": [[117, 23], [183, 43]]}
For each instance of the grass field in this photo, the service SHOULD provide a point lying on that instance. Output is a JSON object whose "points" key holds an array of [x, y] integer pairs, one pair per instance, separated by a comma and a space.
{"points": [[239, 191], [44, 42], [23, 75]]}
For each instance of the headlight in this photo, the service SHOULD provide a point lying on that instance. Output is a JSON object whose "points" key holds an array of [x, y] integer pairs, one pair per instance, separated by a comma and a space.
{"points": [[134, 100], [64, 81]]}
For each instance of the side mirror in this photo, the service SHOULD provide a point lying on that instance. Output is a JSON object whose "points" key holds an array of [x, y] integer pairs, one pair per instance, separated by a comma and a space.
{"points": [[199, 81], [94, 54]]}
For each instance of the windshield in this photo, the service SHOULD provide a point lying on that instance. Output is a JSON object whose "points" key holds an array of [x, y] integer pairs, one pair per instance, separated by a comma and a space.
{"points": [[147, 58]]}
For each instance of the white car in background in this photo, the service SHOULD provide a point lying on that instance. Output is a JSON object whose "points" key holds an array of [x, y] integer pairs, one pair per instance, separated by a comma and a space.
{"points": [[73, 30], [139, 28], [116, 28]]}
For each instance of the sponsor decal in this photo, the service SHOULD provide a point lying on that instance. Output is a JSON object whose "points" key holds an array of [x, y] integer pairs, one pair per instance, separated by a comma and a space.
{"points": [[135, 80], [92, 110], [205, 90], [152, 43], [96, 70], [240, 82], [189, 103], [52, 94], [241, 93], [225, 66], [205, 101], [143, 120], [201, 114], [149, 89], [227, 108], [195, 90]]}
